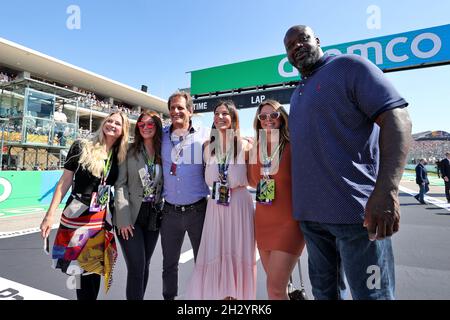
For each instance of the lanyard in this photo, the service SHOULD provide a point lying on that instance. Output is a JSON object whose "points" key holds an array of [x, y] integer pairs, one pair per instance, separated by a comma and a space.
{"points": [[107, 168], [267, 160], [223, 163], [179, 147], [149, 163]]}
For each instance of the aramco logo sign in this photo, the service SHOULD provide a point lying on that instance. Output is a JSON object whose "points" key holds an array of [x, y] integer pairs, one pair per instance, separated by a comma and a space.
{"points": [[399, 49], [408, 50]]}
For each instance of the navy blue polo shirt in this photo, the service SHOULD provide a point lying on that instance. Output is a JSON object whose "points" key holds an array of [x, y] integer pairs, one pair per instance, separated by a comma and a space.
{"points": [[334, 139]]}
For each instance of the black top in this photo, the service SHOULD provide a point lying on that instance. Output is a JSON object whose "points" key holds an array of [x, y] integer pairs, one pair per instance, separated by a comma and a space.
{"points": [[85, 182], [445, 168]]}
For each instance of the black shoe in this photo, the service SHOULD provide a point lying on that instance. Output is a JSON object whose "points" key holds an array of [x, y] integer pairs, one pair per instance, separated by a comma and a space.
{"points": [[417, 198], [422, 202]]}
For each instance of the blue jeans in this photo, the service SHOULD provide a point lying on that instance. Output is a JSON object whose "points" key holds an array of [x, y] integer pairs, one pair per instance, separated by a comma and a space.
{"points": [[422, 191], [368, 265]]}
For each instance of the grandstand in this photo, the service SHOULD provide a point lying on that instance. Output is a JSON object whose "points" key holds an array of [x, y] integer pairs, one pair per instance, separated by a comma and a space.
{"points": [[46, 103], [429, 145]]}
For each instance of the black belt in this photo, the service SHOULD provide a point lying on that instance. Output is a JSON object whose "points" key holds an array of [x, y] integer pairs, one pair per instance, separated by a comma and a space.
{"points": [[183, 208]]}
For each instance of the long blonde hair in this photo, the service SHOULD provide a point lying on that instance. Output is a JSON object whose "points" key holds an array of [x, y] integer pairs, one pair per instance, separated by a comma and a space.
{"points": [[93, 152]]}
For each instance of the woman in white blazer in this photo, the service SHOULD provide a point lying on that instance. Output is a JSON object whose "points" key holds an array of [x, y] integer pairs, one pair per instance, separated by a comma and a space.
{"points": [[138, 202]]}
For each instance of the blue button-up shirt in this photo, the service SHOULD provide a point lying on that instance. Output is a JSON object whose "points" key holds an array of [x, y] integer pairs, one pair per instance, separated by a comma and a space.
{"points": [[188, 185]]}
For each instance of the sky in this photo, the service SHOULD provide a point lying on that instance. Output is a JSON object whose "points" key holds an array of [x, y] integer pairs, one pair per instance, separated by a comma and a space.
{"points": [[156, 43]]}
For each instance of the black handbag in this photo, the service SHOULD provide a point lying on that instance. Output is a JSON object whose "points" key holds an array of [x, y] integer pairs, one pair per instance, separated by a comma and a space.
{"points": [[159, 213], [297, 293]]}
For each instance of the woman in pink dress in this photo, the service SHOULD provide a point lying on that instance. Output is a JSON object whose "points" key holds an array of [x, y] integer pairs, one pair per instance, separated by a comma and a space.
{"points": [[226, 262]]}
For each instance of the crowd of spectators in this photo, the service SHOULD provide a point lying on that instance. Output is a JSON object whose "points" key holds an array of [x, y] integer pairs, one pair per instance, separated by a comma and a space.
{"points": [[5, 77], [430, 150], [90, 101], [84, 133]]}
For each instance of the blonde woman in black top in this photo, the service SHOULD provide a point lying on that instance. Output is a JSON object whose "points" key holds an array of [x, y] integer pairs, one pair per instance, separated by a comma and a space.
{"points": [[84, 243]]}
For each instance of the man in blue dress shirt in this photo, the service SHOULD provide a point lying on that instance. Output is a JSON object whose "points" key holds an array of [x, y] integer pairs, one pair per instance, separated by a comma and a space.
{"points": [[184, 190]]}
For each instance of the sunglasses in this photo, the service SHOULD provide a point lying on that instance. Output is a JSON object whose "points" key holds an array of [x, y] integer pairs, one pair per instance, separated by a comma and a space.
{"points": [[265, 116], [142, 125]]}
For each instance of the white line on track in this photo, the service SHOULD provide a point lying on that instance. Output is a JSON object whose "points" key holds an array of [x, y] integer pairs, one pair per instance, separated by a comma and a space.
{"points": [[437, 202], [189, 255], [10, 290], [186, 256], [11, 234]]}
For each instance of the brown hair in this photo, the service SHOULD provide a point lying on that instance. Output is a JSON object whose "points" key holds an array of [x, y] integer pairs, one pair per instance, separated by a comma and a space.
{"points": [[186, 96], [284, 127], [231, 107], [139, 141]]}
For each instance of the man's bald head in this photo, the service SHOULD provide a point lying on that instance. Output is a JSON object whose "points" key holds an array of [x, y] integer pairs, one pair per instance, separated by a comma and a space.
{"points": [[299, 28], [302, 48]]}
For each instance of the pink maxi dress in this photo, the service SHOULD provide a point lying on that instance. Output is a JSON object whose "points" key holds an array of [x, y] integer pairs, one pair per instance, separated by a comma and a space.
{"points": [[226, 260]]}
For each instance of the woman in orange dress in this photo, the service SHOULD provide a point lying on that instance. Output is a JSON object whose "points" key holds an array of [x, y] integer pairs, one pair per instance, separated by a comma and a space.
{"points": [[278, 236]]}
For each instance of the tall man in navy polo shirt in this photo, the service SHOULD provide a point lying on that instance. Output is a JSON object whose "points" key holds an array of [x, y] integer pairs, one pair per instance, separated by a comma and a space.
{"points": [[184, 190], [350, 134]]}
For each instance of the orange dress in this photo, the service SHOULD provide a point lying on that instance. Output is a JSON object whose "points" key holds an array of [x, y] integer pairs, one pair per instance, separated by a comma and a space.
{"points": [[275, 228]]}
